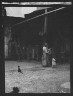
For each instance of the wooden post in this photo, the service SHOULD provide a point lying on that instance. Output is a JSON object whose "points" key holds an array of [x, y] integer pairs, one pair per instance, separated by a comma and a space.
{"points": [[44, 58], [45, 23]]}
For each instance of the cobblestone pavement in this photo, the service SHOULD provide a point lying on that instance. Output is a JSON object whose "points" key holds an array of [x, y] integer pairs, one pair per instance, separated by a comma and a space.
{"points": [[37, 79]]}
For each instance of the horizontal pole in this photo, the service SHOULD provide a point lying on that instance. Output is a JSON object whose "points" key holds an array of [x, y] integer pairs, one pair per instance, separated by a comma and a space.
{"points": [[38, 3], [39, 16]]}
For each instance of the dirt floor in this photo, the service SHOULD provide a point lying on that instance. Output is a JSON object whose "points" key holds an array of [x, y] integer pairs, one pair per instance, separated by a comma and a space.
{"points": [[37, 79]]}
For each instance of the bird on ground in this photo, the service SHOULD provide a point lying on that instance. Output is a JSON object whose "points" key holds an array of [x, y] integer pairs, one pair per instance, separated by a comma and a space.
{"points": [[19, 70]]}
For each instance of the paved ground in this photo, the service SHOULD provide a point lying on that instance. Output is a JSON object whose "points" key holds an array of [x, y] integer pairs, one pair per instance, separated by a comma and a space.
{"points": [[37, 79]]}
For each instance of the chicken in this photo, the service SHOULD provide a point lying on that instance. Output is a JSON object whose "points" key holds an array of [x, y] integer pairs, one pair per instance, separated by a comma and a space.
{"points": [[19, 70]]}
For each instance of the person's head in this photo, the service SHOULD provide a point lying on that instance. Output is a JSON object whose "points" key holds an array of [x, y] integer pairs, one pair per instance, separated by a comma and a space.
{"points": [[18, 66], [45, 44]]}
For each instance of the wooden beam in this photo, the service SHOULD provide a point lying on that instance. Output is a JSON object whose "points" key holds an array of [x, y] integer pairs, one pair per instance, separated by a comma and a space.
{"points": [[45, 22]]}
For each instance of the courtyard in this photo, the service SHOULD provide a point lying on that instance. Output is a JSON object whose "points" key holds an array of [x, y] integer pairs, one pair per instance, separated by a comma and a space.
{"points": [[36, 78]]}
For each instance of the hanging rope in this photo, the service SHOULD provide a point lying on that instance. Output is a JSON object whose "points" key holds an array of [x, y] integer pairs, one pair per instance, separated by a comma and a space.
{"points": [[39, 16]]}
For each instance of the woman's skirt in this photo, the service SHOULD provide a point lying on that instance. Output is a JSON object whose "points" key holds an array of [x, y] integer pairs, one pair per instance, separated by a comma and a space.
{"points": [[46, 60]]}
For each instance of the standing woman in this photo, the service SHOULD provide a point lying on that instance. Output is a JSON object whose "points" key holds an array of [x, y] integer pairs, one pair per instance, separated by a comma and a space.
{"points": [[45, 55]]}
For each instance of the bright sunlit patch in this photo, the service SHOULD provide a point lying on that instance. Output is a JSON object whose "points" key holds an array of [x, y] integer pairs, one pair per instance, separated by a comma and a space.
{"points": [[27, 10], [19, 11]]}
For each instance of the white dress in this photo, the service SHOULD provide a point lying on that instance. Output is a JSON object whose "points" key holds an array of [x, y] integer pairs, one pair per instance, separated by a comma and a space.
{"points": [[44, 57]]}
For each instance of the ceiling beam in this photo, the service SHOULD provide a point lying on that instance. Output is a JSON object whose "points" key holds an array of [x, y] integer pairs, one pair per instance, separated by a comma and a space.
{"points": [[39, 3]]}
